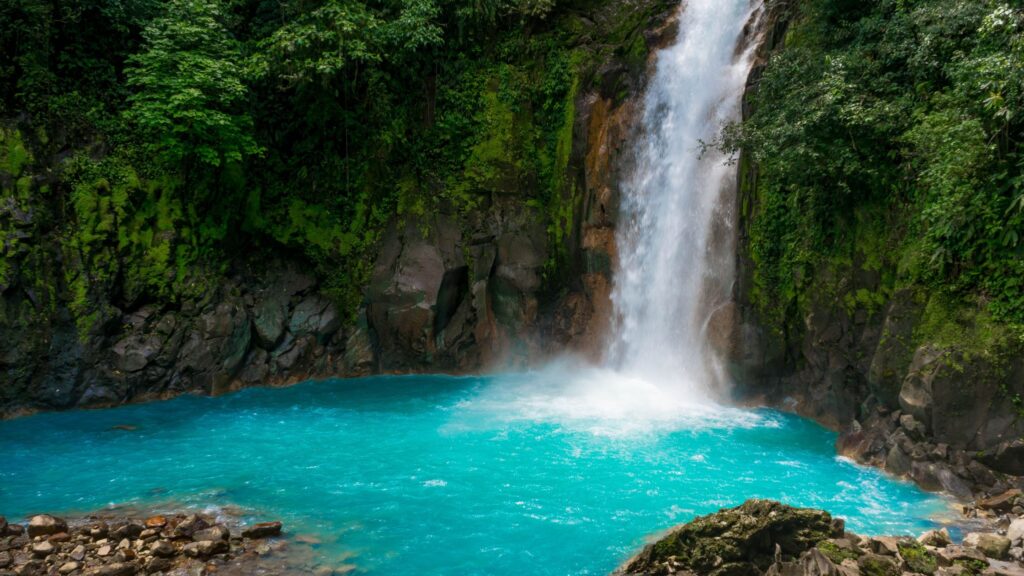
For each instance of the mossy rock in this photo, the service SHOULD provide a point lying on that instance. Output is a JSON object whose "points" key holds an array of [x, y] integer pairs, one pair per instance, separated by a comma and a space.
{"points": [[837, 553], [875, 565], [971, 566], [918, 558], [743, 538]]}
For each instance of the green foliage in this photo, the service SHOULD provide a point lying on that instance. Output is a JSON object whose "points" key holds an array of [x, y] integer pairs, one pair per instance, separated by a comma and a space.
{"points": [[190, 87], [836, 554], [162, 140], [918, 558], [899, 120]]}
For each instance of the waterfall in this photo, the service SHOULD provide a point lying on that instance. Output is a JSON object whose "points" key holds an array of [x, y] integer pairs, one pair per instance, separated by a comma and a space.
{"points": [[675, 235]]}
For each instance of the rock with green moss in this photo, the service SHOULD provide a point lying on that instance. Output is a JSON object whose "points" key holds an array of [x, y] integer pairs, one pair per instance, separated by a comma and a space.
{"points": [[747, 539], [917, 558]]}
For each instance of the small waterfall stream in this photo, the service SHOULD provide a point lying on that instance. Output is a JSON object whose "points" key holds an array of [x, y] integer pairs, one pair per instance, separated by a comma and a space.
{"points": [[675, 232]]}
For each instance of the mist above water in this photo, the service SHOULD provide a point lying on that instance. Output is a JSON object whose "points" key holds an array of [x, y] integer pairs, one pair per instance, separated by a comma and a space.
{"points": [[675, 232]]}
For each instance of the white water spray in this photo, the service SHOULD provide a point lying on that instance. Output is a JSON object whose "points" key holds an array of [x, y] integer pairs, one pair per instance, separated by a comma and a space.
{"points": [[675, 231]]}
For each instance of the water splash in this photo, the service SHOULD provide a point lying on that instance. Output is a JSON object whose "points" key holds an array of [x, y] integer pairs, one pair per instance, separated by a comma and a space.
{"points": [[675, 233]]}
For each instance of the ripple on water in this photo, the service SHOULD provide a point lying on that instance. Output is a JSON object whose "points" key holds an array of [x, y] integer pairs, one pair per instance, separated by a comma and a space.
{"points": [[507, 474]]}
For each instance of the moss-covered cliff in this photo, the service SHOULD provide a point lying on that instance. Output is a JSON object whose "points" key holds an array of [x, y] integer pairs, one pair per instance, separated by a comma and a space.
{"points": [[205, 195], [881, 263]]}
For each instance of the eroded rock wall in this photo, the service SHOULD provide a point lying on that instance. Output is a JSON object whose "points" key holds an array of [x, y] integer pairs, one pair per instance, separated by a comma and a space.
{"points": [[923, 387]]}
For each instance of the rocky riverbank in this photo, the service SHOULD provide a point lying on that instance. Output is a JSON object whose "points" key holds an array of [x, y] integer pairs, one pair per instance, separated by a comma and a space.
{"points": [[763, 537], [178, 544]]}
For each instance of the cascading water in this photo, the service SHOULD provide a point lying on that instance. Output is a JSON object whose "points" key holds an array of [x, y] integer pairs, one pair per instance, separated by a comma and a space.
{"points": [[674, 239]]}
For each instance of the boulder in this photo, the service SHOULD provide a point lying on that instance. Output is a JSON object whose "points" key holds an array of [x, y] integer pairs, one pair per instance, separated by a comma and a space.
{"points": [[1007, 457], [189, 525], [897, 462], [45, 525], [162, 549], [317, 316], [269, 319], [877, 565], [262, 530], [205, 548], [918, 559], [1015, 532], [937, 538], [744, 539], [218, 532], [991, 545]]}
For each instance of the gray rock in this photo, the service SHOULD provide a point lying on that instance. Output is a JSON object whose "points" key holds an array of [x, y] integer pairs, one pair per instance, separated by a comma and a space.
{"points": [[205, 548], [68, 567], [937, 538], [991, 545], [269, 318], [218, 532], [162, 549], [915, 429], [897, 462]]}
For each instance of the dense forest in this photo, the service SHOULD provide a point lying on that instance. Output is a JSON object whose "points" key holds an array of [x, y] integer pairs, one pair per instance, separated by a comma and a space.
{"points": [[888, 138], [157, 140], [163, 138]]}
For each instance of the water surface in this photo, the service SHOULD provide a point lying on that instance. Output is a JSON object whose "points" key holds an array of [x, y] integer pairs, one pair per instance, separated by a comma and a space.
{"points": [[512, 474]]}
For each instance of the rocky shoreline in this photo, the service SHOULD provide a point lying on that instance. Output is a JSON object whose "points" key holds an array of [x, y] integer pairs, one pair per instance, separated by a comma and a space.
{"points": [[183, 544], [763, 537]]}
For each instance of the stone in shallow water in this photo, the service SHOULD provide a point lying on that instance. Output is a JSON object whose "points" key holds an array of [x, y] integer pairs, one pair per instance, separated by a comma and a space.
{"points": [[262, 530]]}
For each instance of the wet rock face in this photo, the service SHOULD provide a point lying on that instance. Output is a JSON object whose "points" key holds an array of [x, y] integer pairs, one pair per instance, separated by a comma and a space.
{"points": [[265, 326]]}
